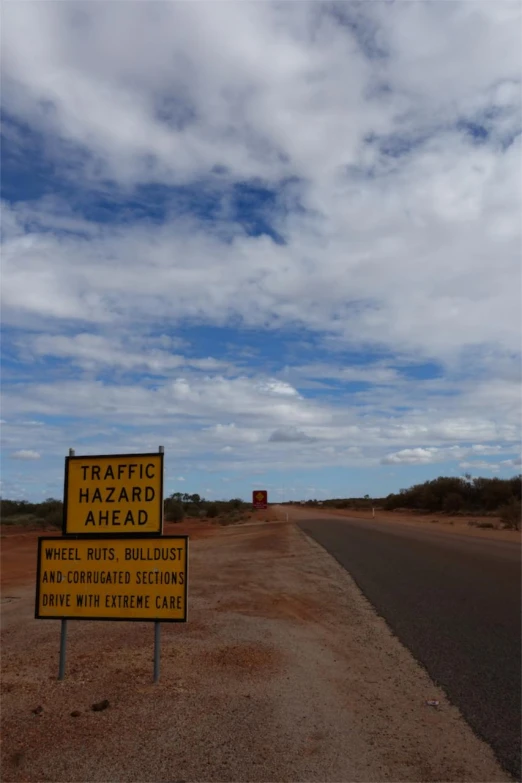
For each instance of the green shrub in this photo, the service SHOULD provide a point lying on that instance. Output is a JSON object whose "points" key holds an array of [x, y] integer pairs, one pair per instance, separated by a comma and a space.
{"points": [[54, 517], [477, 495], [511, 513], [176, 512], [212, 511], [11, 508], [452, 502], [49, 509]]}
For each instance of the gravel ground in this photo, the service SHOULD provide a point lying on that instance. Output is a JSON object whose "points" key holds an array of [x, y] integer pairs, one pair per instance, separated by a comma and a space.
{"points": [[283, 673]]}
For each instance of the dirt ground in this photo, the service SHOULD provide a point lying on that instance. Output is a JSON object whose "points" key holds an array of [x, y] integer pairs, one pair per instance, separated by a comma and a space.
{"points": [[18, 544], [444, 522], [283, 672]]}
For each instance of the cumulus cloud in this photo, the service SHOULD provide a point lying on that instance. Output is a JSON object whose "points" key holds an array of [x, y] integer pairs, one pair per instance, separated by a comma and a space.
{"points": [[383, 166], [241, 421], [95, 351], [289, 435], [494, 467], [411, 457], [431, 454], [516, 462], [25, 454]]}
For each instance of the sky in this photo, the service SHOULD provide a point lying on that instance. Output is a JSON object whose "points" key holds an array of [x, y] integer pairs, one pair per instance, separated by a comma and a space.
{"points": [[281, 240]]}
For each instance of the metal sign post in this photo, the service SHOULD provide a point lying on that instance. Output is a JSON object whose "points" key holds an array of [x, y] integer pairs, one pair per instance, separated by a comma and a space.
{"points": [[63, 649], [157, 625], [63, 631], [157, 646]]}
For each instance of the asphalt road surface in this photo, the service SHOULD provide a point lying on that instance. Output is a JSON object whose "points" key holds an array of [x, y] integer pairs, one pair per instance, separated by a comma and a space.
{"points": [[455, 602]]}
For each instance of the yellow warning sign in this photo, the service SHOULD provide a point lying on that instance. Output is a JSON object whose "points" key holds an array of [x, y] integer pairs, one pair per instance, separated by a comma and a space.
{"points": [[118, 493], [113, 578]]}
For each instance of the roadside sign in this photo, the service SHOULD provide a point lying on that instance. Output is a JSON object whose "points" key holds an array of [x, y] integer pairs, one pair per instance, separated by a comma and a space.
{"points": [[260, 498], [113, 494], [112, 578]]}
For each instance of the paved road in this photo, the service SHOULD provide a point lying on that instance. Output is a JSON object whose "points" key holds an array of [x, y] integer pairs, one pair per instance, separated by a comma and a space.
{"points": [[455, 602]]}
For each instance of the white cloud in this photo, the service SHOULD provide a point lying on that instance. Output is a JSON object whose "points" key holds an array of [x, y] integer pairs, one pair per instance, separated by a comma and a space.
{"points": [[205, 398], [386, 134], [278, 388], [93, 351], [432, 454], [411, 457], [516, 462], [239, 421], [423, 244], [289, 435], [25, 454], [180, 478], [494, 467]]}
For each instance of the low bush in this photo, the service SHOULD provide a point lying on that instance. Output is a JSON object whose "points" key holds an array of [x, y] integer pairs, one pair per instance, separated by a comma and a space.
{"points": [[20, 519], [54, 517], [452, 503], [511, 514], [175, 512]]}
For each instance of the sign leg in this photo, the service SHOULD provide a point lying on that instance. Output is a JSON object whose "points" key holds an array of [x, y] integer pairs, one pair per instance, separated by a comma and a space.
{"points": [[63, 648]]}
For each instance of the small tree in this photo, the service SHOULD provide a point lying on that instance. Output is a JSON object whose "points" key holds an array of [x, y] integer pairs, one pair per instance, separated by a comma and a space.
{"points": [[49, 507], [452, 502], [212, 511], [54, 517], [511, 514], [176, 512]]}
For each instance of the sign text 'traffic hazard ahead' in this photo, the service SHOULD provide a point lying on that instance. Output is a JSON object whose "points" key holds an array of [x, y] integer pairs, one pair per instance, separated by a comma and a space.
{"points": [[113, 578], [119, 493]]}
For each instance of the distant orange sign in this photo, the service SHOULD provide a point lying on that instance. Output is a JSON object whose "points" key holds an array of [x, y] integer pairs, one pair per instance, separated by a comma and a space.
{"points": [[260, 498]]}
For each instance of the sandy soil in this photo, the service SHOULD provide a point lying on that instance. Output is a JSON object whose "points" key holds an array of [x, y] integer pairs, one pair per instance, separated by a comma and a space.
{"points": [[283, 673], [18, 544], [446, 523]]}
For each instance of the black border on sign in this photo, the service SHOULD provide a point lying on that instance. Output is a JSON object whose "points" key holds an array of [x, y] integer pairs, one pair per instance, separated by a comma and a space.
{"points": [[149, 533], [37, 616]]}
